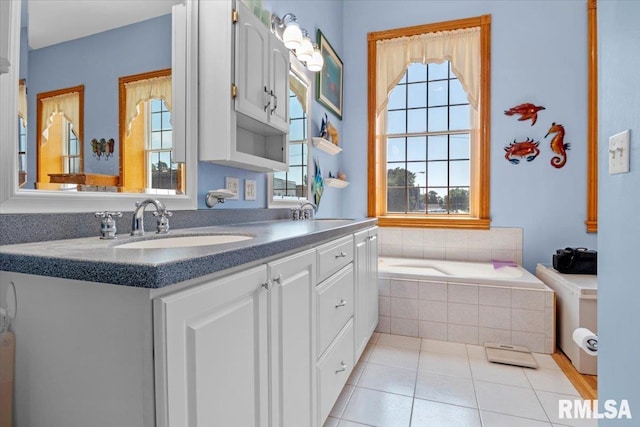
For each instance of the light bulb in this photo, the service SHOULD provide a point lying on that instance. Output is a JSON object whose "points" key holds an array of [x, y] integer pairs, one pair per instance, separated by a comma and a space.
{"points": [[316, 62], [292, 36], [305, 51]]}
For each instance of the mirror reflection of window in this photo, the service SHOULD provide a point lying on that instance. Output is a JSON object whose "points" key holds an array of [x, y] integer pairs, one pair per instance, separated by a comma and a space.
{"points": [[293, 185], [22, 133], [147, 134], [59, 146]]}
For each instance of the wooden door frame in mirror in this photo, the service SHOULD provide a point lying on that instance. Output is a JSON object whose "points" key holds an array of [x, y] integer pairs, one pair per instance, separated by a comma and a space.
{"points": [[592, 119]]}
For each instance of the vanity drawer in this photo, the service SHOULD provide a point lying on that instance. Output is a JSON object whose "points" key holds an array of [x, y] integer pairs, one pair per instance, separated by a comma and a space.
{"points": [[333, 370], [333, 256], [335, 306]]}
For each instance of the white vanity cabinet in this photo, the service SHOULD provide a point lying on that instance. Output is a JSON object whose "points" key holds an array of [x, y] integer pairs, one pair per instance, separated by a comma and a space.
{"points": [[238, 350], [243, 89], [366, 287]]}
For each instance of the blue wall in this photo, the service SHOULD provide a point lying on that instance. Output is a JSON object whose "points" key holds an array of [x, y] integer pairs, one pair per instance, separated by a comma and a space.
{"points": [[537, 56], [96, 61], [619, 204]]}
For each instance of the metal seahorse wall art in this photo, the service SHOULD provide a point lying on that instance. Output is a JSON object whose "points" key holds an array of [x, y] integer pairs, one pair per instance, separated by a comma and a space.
{"points": [[526, 111], [558, 146]]}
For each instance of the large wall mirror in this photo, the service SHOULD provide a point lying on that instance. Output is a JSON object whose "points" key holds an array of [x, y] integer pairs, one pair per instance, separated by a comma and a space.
{"points": [[103, 100], [291, 188]]}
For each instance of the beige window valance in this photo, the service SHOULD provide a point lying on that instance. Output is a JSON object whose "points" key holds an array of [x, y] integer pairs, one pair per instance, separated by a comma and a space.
{"points": [[22, 103], [300, 91], [67, 104], [144, 90], [461, 47]]}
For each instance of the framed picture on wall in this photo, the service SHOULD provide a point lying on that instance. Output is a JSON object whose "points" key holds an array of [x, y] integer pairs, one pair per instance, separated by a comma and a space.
{"points": [[329, 80]]}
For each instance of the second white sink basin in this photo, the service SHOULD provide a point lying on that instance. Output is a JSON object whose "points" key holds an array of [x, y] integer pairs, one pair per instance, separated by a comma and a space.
{"points": [[185, 241]]}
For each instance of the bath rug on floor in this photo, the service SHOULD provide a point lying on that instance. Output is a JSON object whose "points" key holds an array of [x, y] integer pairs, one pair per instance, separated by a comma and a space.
{"points": [[510, 355]]}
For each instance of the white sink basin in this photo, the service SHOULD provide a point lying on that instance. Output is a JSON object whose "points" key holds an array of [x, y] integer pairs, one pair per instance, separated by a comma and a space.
{"points": [[185, 241]]}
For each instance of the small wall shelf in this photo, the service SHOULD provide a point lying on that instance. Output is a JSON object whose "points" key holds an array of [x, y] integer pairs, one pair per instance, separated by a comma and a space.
{"points": [[326, 146], [335, 182]]}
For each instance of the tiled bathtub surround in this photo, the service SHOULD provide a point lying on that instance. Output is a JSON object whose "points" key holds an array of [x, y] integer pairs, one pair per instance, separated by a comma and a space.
{"points": [[504, 244], [467, 313]]}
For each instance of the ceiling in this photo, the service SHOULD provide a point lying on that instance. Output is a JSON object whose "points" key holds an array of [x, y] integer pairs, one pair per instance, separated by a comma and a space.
{"points": [[55, 21]]}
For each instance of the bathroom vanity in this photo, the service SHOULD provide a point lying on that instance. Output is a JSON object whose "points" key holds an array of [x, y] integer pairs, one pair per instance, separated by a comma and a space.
{"points": [[262, 331]]}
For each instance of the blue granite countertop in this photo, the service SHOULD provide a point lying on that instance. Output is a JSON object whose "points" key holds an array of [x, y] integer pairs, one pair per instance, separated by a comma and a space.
{"points": [[95, 260]]}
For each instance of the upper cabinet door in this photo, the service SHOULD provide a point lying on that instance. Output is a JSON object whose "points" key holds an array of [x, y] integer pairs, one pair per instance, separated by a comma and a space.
{"points": [[279, 84], [252, 66]]}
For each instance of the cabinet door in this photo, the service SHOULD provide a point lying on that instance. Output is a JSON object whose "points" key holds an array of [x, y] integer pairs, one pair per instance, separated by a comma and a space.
{"points": [[293, 340], [252, 66], [212, 355], [279, 84], [372, 244], [362, 312]]}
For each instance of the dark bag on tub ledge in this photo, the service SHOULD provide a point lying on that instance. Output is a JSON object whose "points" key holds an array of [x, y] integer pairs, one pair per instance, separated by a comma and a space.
{"points": [[576, 261]]}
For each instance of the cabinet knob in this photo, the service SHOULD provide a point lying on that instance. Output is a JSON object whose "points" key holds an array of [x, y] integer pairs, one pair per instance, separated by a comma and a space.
{"points": [[343, 367], [342, 254], [278, 279], [267, 96], [268, 285], [342, 303]]}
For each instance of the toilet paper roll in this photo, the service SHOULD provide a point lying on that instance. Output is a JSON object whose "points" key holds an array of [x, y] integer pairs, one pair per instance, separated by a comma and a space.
{"points": [[586, 340]]}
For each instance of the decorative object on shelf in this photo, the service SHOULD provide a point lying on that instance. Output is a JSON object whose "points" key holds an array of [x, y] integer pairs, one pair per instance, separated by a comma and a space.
{"points": [[524, 149], [317, 186], [342, 176], [329, 81], [297, 40], [558, 146], [102, 147], [329, 131], [526, 111]]}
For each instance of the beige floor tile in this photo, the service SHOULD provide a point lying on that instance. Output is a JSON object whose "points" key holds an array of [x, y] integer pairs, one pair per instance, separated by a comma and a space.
{"points": [[509, 400], [377, 408], [394, 356], [545, 361], [443, 364], [341, 403], [435, 414], [446, 389], [389, 379], [484, 370], [550, 380], [345, 423], [492, 419], [411, 343], [550, 403], [356, 373], [476, 352], [444, 347]]}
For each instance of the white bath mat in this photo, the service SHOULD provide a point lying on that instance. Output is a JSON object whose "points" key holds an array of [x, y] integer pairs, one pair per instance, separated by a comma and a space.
{"points": [[510, 355]]}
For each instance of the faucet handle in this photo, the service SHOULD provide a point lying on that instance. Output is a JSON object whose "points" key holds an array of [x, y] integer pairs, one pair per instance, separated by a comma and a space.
{"points": [[108, 225], [163, 221]]}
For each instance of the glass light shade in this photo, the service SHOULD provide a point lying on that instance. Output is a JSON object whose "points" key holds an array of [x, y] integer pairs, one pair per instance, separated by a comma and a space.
{"points": [[305, 51], [316, 62], [292, 36]]}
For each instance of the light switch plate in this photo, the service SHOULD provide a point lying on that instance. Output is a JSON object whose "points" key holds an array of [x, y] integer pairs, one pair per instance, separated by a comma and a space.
{"points": [[619, 153], [250, 189], [233, 185]]}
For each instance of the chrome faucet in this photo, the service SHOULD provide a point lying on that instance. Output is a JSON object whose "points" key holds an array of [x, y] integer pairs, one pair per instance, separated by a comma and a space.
{"points": [[302, 212], [137, 225]]}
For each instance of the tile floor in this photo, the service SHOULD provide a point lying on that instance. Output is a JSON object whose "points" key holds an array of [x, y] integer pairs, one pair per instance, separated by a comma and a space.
{"points": [[412, 382]]}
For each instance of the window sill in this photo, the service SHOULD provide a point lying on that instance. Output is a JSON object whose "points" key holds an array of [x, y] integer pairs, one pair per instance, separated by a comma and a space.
{"points": [[463, 222]]}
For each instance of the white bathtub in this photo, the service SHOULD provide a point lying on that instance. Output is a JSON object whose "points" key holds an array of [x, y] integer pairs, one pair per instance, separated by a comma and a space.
{"points": [[458, 271], [468, 302]]}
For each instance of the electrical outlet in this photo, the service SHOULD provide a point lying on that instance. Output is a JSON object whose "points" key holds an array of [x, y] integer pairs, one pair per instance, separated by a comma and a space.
{"points": [[250, 192], [233, 185], [619, 153]]}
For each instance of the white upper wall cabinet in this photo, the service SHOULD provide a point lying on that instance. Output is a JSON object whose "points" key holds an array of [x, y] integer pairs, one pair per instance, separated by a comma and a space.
{"points": [[244, 90], [5, 16]]}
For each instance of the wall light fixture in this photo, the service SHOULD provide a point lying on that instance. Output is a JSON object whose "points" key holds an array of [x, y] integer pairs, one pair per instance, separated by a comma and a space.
{"points": [[297, 40]]}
